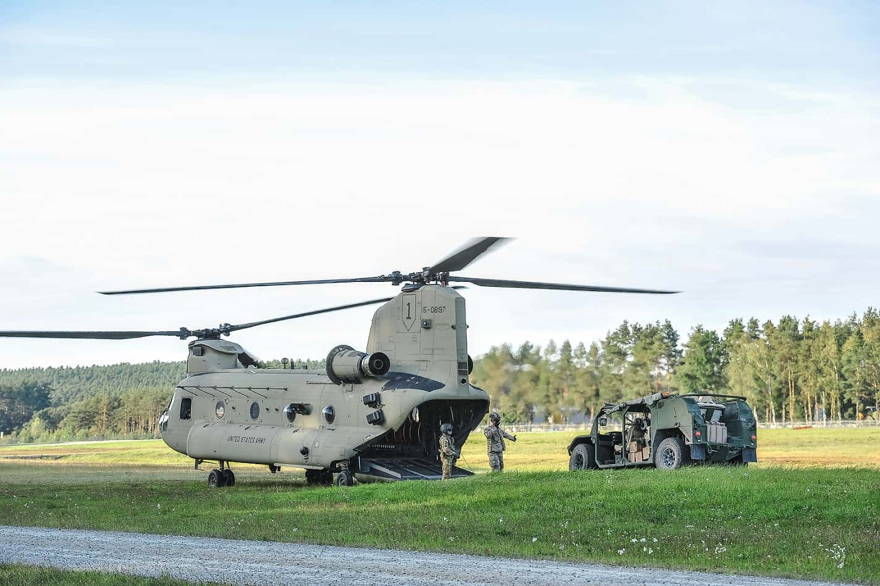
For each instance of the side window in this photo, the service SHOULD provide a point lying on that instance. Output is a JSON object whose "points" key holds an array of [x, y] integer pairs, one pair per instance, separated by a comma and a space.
{"points": [[612, 422], [186, 408]]}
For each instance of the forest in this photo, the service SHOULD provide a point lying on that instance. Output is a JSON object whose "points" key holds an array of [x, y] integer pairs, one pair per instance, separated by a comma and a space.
{"points": [[789, 370], [90, 402]]}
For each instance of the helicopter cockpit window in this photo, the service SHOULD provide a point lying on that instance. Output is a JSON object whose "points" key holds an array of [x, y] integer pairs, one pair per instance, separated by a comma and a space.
{"points": [[220, 409], [329, 413], [255, 410], [186, 408]]}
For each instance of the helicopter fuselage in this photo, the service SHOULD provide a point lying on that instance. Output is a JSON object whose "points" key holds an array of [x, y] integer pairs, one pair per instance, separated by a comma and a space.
{"points": [[384, 425]]}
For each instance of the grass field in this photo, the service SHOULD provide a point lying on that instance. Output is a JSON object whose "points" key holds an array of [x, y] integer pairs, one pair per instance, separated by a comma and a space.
{"points": [[782, 517], [21, 575], [533, 452]]}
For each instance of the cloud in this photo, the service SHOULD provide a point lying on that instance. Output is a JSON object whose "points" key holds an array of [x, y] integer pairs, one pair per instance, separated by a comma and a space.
{"points": [[676, 186]]}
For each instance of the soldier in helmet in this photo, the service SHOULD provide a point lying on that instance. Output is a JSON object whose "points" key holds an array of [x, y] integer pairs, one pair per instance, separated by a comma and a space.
{"points": [[495, 442], [448, 453]]}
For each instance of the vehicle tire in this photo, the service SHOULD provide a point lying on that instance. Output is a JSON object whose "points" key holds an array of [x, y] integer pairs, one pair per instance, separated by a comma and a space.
{"points": [[582, 458], [228, 477], [216, 479], [344, 478], [671, 454]]}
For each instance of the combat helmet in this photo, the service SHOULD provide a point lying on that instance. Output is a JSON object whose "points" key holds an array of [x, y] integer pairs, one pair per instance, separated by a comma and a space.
{"points": [[494, 417], [446, 428]]}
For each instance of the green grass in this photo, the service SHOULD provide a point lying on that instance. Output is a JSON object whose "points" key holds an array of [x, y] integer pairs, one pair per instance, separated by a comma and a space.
{"points": [[771, 521], [813, 521], [21, 575], [533, 452]]}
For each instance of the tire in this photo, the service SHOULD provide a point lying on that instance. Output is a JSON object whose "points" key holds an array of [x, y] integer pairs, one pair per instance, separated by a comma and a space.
{"points": [[228, 477], [671, 454], [344, 478], [582, 458], [216, 479]]}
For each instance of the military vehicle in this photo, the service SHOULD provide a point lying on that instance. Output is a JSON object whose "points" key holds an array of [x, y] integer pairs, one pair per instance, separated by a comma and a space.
{"points": [[668, 431], [374, 414]]}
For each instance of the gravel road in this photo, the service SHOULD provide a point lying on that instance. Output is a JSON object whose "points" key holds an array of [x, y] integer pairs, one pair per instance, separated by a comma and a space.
{"points": [[263, 562]]}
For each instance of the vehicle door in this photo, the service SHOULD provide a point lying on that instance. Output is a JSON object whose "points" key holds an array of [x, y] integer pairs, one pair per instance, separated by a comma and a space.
{"points": [[609, 438]]}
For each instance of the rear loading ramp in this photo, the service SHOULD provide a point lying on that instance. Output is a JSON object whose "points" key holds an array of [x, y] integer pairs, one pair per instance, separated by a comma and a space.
{"points": [[411, 452], [404, 469]]}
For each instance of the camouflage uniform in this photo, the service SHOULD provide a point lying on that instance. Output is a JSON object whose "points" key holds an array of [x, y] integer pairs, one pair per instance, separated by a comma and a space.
{"points": [[495, 445], [448, 454]]}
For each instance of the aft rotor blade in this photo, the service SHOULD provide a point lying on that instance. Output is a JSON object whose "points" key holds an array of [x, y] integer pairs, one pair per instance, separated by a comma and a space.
{"points": [[308, 313], [85, 335], [557, 286], [380, 279], [468, 254]]}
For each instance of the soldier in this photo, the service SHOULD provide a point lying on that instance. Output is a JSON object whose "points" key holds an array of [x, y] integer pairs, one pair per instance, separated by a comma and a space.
{"points": [[448, 453], [495, 442]]}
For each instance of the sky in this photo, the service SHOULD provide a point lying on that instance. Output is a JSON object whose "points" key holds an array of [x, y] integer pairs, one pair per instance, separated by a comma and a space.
{"points": [[725, 150]]}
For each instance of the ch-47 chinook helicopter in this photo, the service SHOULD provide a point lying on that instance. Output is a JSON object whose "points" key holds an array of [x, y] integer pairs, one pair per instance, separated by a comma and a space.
{"points": [[375, 414]]}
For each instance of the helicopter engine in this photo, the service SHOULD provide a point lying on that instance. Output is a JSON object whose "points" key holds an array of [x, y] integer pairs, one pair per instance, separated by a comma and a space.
{"points": [[347, 365]]}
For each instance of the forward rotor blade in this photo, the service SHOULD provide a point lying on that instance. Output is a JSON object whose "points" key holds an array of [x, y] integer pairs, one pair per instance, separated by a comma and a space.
{"points": [[468, 254], [380, 279], [308, 313], [557, 286], [182, 333], [86, 335]]}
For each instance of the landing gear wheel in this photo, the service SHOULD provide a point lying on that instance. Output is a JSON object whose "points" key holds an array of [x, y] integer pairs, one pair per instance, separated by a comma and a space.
{"points": [[582, 458], [344, 478], [228, 477], [216, 478], [319, 477], [671, 454]]}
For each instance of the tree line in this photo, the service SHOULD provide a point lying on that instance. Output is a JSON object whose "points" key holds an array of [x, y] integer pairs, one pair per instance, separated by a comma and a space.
{"points": [[85, 402], [92, 402], [788, 370]]}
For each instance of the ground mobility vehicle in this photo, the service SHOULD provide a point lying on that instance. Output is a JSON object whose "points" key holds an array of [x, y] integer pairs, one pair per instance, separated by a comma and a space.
{"points": [[668, 430]]}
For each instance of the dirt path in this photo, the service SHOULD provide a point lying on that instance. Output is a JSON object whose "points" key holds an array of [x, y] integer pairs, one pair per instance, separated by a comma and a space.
{"points": [[262, 562]]}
